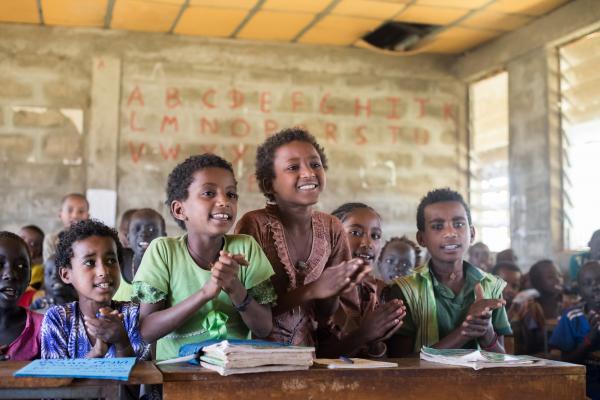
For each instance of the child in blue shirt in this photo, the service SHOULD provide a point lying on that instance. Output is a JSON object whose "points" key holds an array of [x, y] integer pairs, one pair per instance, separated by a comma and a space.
{"points": [[577, 334]]}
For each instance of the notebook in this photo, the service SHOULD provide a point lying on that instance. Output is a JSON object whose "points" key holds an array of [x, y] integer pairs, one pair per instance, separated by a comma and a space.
{"points": [[357, 363], [93, 368]]}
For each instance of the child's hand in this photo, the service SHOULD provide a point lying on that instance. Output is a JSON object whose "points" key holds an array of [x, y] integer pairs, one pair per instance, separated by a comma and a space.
{"points": [[381, 323], [335, 280], [476, 327], [483, 307], [211, 288], [99, 350], [108, 328], [225, 271]]}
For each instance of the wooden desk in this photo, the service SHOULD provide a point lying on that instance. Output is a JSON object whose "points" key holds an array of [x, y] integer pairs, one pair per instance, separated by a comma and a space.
{"points": [[413, 379], [68, 388]]}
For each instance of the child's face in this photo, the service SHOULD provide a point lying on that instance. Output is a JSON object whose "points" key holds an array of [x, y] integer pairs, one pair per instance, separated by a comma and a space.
{"points": [[74, 209], [480, 257], [363, 229], [144, 227], [211, 205], [589, 286], [15, 272], [299, 174], [34, 242], [551, 281], [447, 233], [398, 259], [54, 287], [94, 271], [595, 246], [513, 283]]}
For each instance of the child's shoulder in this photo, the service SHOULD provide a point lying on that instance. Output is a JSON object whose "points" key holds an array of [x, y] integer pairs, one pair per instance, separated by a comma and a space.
{"points": [[574, 313], [235, 242], [258, 216], [61, 312]]}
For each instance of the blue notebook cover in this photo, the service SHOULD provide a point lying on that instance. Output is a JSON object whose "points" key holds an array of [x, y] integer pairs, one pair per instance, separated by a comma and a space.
{"points": [[196, 348], [93, 368]]}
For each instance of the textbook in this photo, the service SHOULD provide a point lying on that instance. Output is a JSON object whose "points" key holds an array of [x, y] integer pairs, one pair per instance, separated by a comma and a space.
{"points": [[92, 368], [246, 356], [476, 359], [356, 363]]}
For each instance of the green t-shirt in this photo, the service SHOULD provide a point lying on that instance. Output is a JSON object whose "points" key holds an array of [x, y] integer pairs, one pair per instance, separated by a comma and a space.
{"points": [[452, 309], [124, 292], [168, 272]]}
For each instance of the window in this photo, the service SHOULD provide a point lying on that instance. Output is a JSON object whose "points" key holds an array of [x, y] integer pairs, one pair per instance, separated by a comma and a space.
{"points": [[488, 154], [580, 121]]}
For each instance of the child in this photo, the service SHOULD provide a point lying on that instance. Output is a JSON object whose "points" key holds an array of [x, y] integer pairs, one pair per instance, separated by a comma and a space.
{"points": [[578, 332], [399, 257], [525, 314], [450, 303], [145, 225], [507, 255], [19, 328], [55, 292], [204, 284], [480, 257], [88, 257], [547, 279], [363, 330], [74, 208], [124, 226], [34, 237], [308, 249]]}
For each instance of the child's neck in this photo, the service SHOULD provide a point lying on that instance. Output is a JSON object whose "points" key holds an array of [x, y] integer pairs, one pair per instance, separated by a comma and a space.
{"points": [[89, 308], [550, 304], [451, 274], [296, 217], [204, 249]]}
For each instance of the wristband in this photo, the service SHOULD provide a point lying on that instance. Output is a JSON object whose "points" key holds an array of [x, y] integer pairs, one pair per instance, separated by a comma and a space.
{"points": [[242, 307], [491, 345]]}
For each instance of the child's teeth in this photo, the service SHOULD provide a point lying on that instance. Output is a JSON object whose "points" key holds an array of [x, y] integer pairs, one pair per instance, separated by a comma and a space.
{"points": [[308, 187]]}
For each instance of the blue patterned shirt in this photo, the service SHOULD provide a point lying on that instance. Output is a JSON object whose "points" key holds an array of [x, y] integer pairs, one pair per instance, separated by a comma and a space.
{"points": [[64, 334]]}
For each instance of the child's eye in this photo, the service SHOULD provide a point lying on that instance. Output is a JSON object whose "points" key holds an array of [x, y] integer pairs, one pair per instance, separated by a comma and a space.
{"points": [[376, 236], [111, 261], [437, 227], [355, 233], [88, 263], [292, 167], [459, 224], [233, 195], [208, 193], [315, 165], [20, 266]]}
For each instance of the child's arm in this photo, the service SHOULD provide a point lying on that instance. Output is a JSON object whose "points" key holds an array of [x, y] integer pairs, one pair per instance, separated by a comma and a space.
{"points": [[257, 317], [378, 326], [332, 282], [54, 336], [156, 320]]}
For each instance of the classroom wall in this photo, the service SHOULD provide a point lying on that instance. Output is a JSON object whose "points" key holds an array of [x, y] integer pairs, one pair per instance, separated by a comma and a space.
{"points": [[111, 111]]}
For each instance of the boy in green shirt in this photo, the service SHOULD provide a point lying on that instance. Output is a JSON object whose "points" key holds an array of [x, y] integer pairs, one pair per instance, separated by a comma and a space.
{"points": [[450, 303]]}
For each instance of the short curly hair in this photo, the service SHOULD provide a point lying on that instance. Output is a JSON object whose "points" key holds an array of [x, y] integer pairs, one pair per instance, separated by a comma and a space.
{"points": [[6, 235], [182, 176], [440, 196], [80, 231], [345, 209], [537, 270], [406, 241], [265, 155]]}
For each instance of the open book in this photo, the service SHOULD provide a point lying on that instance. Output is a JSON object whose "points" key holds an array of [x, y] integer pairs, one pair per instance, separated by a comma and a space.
{"points": [[476, 359]]}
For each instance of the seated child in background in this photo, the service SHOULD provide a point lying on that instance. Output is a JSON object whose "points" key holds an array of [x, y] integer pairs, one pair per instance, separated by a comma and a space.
{"points": [[577, 260], [363, 330], [74, 207], [145, 225], [480, 256], [34, 237], [124, 226], [450, 303], [524, 313], [547, 279], [205, 284], [88, 257], [577, 335], [19, 328], [55, 292], [307, 248], [398, 257]]}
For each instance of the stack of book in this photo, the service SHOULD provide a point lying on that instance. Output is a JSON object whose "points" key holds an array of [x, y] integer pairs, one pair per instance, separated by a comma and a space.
{"points": [[476, 359], [242, 357]]}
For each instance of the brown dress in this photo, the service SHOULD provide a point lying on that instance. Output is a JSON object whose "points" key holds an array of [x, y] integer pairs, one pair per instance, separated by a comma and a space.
{"points": [[329, 248]]}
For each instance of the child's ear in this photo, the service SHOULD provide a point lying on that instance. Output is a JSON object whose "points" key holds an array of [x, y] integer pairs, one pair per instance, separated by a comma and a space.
{"points": [[65, 274], [177, 210], [472, 228], [420, 239], [268, 186]]}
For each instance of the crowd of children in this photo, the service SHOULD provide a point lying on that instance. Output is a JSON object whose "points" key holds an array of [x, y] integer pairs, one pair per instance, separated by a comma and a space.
{"points": [[289, 274]]}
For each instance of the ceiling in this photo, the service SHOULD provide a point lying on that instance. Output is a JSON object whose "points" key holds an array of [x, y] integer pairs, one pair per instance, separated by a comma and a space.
{"points": [[463, 24]]}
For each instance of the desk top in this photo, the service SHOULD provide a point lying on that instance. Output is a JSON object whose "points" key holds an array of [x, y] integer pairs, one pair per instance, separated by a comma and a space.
{"points": [[407, 367], [144, 372]]}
